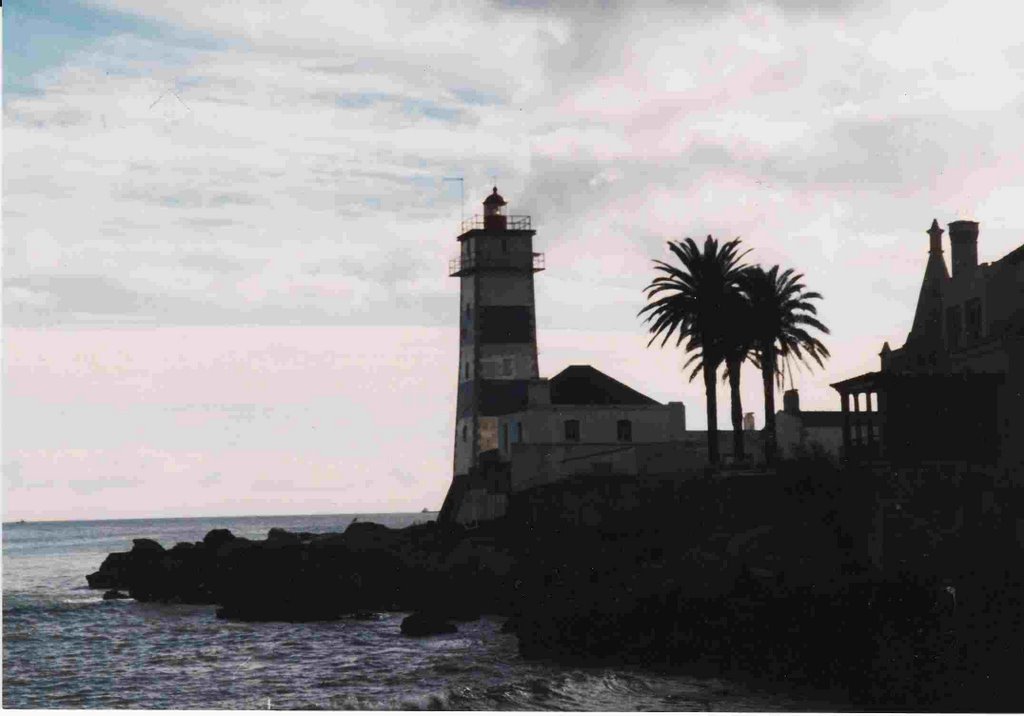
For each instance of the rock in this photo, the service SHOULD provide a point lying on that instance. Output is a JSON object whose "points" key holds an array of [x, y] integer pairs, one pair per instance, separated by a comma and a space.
{"points": [[215, 538], [421, 624], [146, 545], [113, 573], [283, 536], [182, 546], [114, 594]]}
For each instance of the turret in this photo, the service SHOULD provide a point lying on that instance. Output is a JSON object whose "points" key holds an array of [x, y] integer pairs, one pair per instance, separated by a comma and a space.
{"points": [[963, 239], [935, 238]]}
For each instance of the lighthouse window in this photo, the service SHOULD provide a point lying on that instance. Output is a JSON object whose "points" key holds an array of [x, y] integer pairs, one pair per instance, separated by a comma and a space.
{"points": [[465, 433], [572, 431], [466, 371], [504, 246]]}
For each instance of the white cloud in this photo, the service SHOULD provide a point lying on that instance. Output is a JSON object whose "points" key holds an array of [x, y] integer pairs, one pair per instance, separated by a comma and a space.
{"points": [[290, 171]]}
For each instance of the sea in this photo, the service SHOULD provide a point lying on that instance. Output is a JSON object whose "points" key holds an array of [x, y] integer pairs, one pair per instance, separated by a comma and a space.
{"points": [[64, 647]]}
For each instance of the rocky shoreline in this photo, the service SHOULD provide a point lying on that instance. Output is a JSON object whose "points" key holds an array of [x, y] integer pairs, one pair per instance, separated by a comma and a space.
{"points": [[289, 576], [698, 587]]}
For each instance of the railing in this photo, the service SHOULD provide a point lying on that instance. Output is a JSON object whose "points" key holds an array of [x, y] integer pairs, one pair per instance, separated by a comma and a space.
{"points": [[512, 223], [464, 264]]}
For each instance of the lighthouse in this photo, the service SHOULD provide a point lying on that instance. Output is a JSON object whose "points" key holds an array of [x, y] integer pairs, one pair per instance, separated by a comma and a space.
{"points": [[497, 337]]}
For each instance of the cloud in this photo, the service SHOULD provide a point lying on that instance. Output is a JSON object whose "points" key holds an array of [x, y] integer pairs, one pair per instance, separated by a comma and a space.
{"points": [[187, 172], [288, 168]]}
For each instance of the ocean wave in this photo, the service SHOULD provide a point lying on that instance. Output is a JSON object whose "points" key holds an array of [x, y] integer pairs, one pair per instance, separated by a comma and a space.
{"points": [[82, 600]]}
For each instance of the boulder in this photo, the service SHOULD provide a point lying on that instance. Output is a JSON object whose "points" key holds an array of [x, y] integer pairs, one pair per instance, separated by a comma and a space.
{"points": [[424, 624], [215, 538], [114, 594], [113, 573], [283, 536], [146, 545]]}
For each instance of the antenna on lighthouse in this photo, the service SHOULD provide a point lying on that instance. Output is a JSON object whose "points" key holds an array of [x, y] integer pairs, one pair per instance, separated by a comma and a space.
{"points": [[462, 196]]}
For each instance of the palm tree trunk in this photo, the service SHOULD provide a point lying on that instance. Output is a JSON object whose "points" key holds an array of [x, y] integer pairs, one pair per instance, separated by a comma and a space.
{"points": [[712, 412], [736, 401], [768, 379]]}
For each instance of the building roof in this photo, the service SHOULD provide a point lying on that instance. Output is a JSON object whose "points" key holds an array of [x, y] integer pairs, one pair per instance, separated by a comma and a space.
{"points": [[884, 380], [926, 330], [585, 385], [494, 198], [1014, 257]]}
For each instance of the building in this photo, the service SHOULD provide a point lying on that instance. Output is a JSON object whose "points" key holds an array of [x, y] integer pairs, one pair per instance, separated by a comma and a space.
{"points": [[954, 392], [807, 432], [515, 430], [583, 422]]}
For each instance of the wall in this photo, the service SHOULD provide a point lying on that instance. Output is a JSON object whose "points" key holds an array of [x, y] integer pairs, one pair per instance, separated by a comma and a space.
{"points": [[598, 423], [830, 439], [546, 463], [480, 505], [793, 437], [789, 434]]}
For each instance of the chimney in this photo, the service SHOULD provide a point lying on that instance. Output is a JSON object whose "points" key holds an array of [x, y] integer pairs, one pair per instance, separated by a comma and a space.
{"points": [[791, 401], [963, 239]]}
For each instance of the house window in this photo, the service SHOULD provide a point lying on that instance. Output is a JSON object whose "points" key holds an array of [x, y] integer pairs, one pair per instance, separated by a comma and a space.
{"points": [[572, 431], [504, 437], [973, 319], [517, 435], [504, 246], [954, 326], [625, 431]]}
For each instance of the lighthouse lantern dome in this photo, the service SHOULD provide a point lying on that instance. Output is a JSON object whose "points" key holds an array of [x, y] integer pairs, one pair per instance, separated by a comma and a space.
{"points": [[494, 211]]}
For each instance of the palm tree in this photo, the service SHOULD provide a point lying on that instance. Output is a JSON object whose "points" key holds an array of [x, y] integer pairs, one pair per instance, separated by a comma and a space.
{"points": [[781, 314], [698, 294], [737, 348]]}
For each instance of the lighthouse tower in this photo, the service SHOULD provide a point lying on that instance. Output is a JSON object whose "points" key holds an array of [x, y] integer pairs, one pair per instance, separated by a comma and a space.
{"points": [[497, 337]]}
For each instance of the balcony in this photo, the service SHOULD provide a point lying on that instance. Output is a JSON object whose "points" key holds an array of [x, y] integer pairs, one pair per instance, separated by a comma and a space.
{"points": [[464, 265], [512, 223]]}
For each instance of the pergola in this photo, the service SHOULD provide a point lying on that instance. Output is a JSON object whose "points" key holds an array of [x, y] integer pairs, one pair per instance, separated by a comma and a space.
{"points": [[910, 418]]}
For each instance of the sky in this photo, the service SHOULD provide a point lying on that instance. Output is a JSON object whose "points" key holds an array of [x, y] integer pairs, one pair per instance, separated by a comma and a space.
{"points": [[226, 226]]}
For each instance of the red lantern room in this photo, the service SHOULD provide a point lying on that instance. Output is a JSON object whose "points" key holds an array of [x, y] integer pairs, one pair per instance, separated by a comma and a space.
{"points": [[494, 212]]}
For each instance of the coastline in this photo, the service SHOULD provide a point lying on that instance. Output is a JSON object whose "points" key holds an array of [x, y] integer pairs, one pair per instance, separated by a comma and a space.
{"points": [[685, 585]]}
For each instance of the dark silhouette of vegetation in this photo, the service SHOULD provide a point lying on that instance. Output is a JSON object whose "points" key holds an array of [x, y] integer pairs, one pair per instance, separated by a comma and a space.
{"points": [[782, 313], [737, 347], [726, 312], [690, 301]]}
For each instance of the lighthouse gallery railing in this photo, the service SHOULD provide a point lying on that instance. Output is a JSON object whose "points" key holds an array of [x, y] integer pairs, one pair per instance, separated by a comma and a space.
{"points": [[463, 264]]}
